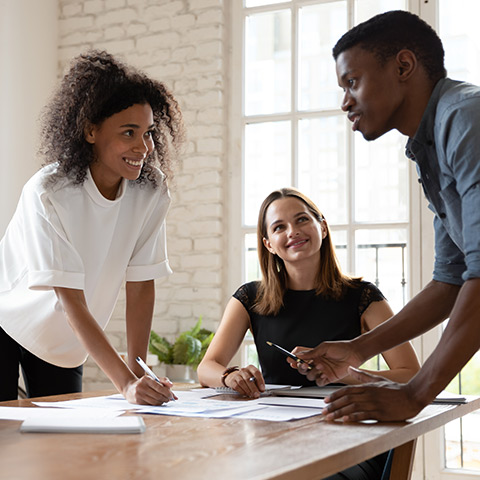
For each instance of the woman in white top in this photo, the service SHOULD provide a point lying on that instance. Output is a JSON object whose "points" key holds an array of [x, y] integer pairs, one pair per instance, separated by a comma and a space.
{"points": [[91, 219]]}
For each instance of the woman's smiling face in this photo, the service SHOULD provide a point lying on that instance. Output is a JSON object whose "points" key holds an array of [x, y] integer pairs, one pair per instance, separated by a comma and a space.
{"points": [[293, 233], [121, 144]]}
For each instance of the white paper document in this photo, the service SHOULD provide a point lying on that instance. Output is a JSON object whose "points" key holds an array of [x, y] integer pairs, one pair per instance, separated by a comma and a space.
{"points": [[280, 414], [22, 413], [448, 397], [197, 403], [112, 402], [60, 424], [294, 402]]}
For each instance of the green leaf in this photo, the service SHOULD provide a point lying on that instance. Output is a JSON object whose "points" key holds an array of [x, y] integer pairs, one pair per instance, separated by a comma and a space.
{"points": [[196, 329], [161, 347], [186, 349]]}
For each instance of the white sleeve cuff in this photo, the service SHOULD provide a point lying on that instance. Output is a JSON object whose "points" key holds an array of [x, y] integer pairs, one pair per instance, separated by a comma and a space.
{"points": [[140, 273], [46, 280]]}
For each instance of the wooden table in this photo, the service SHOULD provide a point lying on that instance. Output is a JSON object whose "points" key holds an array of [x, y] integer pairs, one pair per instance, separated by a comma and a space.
{"points": [[201, 448]]}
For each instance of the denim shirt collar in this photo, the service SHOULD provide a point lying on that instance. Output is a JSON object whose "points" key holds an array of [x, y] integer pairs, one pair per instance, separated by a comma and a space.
{"points": [[424, 134]]}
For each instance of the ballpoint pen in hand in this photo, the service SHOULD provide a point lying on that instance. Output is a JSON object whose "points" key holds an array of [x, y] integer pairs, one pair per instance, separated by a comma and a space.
{"points": [[289, 354], [151, 374]]}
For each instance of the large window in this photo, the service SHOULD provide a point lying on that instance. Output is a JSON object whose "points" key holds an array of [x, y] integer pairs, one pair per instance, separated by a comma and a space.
{"points": [[294, 134]]}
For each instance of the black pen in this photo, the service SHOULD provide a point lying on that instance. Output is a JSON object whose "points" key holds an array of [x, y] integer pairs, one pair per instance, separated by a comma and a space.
{"points": [[289, 354]]}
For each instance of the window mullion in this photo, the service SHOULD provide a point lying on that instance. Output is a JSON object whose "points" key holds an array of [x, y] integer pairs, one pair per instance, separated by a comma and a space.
{"points": [[294, 96]]}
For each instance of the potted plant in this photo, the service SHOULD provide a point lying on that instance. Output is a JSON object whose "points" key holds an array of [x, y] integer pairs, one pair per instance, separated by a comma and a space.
{"points": [[183, 355]]}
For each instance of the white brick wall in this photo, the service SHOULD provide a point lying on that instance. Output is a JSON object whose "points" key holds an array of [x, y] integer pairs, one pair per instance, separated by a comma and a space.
{"points": [[180, 42]]}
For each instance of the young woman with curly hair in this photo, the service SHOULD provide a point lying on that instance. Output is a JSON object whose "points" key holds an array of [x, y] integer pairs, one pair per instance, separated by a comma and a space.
{"points": [[91, 219]]}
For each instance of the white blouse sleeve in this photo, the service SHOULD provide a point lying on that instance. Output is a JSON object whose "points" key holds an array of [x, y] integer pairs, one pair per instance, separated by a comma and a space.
{"points": [[50, 259], [149, 259]]}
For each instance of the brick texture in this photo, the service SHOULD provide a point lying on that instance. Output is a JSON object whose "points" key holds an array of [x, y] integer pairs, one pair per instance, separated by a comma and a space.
{"points": [[182, 43]]}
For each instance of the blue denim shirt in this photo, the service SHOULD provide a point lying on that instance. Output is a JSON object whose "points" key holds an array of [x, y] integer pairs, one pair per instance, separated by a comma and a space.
{"points": [[446, 148]]}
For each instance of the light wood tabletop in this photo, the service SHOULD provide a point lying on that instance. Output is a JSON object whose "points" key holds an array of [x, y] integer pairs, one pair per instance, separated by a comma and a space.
{"points": [[203, 448]]}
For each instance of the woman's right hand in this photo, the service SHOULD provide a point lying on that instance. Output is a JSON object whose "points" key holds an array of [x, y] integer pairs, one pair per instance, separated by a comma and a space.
{"points": [[247, 381], [147, 391]]}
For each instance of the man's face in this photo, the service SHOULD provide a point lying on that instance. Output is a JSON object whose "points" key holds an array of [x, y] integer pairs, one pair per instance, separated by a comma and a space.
{"points": [[373, 95]]}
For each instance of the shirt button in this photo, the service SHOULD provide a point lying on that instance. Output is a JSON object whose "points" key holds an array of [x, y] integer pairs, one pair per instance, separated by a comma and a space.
{"points": [[442, 215], [429, 143]]}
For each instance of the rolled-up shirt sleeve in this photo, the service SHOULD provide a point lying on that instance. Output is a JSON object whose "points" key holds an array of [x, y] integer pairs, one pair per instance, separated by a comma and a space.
{"points": [[471, 231], [458, 134], [449, 259]]}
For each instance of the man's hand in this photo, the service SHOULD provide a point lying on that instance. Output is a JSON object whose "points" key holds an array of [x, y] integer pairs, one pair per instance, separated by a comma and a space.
{"points": [[381, 400], [330, 361]]}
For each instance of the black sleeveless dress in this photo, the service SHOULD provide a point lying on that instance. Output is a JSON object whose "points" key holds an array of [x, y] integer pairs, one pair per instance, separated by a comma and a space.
{"points": [[307, 319]]}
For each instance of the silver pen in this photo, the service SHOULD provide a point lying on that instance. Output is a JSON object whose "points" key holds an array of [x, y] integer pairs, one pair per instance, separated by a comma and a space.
{"points": [[147, 370], [151, 374]]}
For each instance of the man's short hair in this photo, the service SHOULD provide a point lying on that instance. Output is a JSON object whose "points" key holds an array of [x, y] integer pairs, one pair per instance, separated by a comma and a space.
{"points": [[386, 34]]}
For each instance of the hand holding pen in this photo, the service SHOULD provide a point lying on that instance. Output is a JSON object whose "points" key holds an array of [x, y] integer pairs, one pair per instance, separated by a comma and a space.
{"points": [[290, 355], [165, 382]]}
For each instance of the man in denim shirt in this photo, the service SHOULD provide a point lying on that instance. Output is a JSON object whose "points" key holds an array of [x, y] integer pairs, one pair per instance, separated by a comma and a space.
{"points": [[391, 69]]}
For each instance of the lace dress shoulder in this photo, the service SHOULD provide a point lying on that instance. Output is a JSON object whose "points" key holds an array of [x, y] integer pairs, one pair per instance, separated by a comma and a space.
{"points": [[370, 293], [246, 294]]}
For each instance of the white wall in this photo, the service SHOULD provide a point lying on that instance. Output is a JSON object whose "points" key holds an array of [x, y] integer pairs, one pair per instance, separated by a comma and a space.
{"points": [[28, 63], [182, 43]]}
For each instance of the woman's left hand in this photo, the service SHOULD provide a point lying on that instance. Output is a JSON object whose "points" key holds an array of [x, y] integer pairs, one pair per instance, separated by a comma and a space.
{"points": [[247, 381]]}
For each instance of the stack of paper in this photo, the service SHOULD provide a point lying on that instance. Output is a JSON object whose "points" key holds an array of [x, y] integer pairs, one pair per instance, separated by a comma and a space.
{"points": [[83, 425]]}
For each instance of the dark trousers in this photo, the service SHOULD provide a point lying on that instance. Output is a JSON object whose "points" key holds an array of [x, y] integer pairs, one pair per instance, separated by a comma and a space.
{"points": [[372, 469], [41, 378]]}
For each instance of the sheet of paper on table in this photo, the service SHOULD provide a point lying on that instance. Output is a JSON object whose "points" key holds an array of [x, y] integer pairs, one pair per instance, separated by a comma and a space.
{"points": [[197, 403]]}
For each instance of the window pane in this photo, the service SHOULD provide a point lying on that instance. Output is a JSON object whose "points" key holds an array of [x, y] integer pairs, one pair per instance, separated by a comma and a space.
{"points": [[320, 26], [339, 239], [259, 3], [267, 164], [365, 9], [453, 444], [461, 41], [268, 63], [252, 267], [381, 259], [383, 164], [322, 165]]}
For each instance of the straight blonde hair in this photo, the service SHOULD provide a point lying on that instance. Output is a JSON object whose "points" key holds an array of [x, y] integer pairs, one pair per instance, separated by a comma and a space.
{"points": [[330, 281]]}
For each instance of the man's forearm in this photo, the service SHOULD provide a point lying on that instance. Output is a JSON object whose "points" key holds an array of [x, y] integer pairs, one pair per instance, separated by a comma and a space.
{"points": [[427, 309], [459, 342]]}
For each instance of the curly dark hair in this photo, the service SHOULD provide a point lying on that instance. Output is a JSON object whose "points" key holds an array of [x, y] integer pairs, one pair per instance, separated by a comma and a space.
{"points": [[96, 87], [387, 33]]}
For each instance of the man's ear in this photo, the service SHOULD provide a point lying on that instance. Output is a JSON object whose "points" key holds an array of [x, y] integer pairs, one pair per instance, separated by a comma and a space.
{"points": [[268, 245], [89, 132], [406, 64]]}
